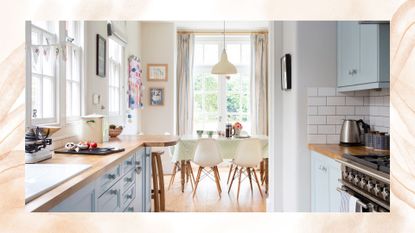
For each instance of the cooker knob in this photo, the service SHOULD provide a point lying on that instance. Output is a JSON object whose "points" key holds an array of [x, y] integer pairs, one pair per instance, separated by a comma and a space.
{"points": [[369, 186], [350, 177], [376, 189], [385, 194], [356, 180], [362, 183]]}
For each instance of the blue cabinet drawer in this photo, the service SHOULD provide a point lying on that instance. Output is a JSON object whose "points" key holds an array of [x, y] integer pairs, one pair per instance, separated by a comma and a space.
{"points": [[128, 164], [128, 179], [110, 201], [127, 197], [108, 179]]}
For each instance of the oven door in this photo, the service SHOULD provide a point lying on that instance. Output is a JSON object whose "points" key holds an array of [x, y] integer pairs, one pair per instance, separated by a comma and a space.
{"points": [[363, 201]]}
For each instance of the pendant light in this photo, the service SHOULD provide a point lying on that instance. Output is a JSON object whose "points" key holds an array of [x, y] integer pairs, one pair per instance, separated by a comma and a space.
{"points": [[224, 67]]}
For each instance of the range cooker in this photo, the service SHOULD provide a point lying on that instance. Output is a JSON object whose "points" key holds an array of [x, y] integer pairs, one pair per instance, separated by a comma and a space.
{"points": [[367, 178]]}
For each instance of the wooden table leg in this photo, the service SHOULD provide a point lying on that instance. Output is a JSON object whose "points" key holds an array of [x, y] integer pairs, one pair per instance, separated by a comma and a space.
{"points": [[183, 173], [155, 183], [160, 176]]}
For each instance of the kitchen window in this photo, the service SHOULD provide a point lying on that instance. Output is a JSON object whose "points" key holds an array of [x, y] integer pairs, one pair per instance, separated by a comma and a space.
{"points": [[116, 53], [44, 72], [218, 100], [73, 70], [54, 73]]}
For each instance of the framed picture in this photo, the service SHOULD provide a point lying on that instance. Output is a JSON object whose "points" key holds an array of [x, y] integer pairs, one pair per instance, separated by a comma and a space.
{"points": [[156, 96], [157, 72], [286, 72], [101, 50]]}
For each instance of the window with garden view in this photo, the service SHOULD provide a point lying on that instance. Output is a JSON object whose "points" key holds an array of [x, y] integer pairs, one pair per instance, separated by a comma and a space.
{"points": [[218, 100]]}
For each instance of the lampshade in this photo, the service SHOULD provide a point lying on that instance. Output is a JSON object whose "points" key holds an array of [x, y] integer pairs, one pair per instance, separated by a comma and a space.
{"points": [[224, 66]]}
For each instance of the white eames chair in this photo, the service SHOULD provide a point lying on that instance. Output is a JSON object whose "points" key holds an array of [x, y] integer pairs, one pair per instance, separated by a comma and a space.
{"points": [[248, 156], [207, 155]]}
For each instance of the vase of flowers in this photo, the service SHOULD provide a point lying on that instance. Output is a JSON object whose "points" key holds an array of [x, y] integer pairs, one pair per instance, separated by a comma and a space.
{"points": [[237, 127]]}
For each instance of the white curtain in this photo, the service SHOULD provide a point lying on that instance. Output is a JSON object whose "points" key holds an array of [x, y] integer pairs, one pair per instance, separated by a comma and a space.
{"points": [[259, 84], [185, 48]]}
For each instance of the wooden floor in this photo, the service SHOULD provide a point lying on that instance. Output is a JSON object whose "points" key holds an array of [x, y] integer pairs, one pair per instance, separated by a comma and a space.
{"points": [[207, 198]]}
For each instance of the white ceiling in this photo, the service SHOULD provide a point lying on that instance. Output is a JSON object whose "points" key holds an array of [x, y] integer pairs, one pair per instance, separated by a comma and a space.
{"points": [[218, 25]]}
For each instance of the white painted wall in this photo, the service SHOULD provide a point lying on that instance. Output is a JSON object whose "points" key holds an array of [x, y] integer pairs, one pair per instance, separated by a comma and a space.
{"points": [[158, 41], [312, 46], [97, 85]]}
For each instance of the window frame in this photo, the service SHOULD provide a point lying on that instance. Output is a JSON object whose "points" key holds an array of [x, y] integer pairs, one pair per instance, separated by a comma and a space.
{"points": [[114, 117], [222, 92], [61, 119]]}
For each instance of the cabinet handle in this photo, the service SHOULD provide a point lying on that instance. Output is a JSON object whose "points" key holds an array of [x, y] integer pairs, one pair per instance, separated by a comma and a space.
{"points": [[138, 170], [128, 179], [111, 176], [129, 162], [352, 72], [130, 196], [137, 163], [130, 209], [113, 191]]}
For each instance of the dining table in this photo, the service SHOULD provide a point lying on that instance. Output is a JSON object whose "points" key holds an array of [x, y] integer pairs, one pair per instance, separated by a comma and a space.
{"points": [[184, 151]]}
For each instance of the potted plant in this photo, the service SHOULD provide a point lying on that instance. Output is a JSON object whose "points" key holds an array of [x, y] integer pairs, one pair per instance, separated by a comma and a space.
{"points": [[237, 128]]}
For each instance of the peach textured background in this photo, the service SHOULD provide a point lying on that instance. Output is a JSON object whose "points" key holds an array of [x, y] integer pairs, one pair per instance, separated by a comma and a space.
{"points": [[13, 13]]}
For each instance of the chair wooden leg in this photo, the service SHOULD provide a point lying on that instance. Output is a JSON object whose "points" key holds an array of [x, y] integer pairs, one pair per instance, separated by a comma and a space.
{"points": [[266, 175], [233, 178], [230, 172], [173, 175], [160, 176], [215, 172], [155, 184], [182, 173], [239, 183], [192, 177], [197, 180], [257, 182], [250, 178], [261, 169]]}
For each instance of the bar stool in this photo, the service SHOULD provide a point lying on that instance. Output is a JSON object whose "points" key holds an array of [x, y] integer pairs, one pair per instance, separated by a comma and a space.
{"points": [[158, 182]]}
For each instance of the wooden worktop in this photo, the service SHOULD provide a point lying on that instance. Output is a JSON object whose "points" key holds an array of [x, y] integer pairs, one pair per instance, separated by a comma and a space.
{"points": [[99, 165], [336, 151]]}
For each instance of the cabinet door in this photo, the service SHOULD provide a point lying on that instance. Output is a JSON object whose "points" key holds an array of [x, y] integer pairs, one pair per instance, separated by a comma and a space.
{"points": [[81, 201], [138, 205], [147, 180], [110, 200], [334, 174], [348, 36], [321, 187], [369, 44]]}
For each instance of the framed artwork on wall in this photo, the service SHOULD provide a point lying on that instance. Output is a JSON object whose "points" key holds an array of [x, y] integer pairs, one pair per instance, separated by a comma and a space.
{"points": [[156, 96], [157, 72], [101, 53]]}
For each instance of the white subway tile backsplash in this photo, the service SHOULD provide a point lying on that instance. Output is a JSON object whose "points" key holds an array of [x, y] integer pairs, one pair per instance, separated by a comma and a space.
{"points": [[334, 120], [316, 101], [326, 110], [354, 100], [312, 110], [316, 120], [333, 139], [345, 110], [312, 91], [362, 110], [317, 139], [312, 129], [336, 100], [326, 129], [326, 91]]}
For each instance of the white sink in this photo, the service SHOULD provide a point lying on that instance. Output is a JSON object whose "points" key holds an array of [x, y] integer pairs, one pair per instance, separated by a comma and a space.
{"points": [[40, 178]]}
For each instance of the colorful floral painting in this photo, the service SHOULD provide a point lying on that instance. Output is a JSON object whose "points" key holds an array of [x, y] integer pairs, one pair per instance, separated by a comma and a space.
{"points": [[135, 83]]}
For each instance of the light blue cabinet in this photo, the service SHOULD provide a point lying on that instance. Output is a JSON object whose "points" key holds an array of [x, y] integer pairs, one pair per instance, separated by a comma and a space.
{"points": [[362, 56], [125, 187], [325, 173]]}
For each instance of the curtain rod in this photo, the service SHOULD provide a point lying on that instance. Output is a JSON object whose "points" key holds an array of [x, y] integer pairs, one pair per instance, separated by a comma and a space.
{"points": [[221, 33]]}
